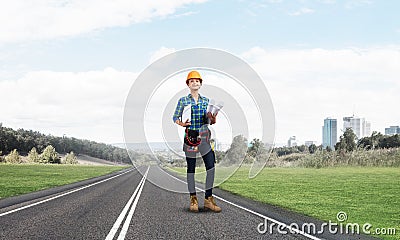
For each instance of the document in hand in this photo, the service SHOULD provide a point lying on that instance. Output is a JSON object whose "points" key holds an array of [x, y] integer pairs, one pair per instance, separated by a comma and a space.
{"points": [[187, 113], [214, 107]]}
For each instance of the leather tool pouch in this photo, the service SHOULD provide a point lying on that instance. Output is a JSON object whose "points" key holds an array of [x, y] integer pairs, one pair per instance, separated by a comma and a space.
{"points": [[192, 137]]}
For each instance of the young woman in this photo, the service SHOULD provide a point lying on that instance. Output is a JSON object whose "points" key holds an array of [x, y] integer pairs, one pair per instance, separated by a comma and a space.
{"points": [[197, 140]]}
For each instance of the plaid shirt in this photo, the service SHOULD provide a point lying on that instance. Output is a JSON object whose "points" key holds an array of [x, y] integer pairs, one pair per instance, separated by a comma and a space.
{"points": [[199, 111]]}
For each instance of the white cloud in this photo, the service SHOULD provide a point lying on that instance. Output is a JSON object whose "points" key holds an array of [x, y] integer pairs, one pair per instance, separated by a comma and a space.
{"points": [[84, 104], [307, 86], [163, 51], [302, 11], [357, 3], [47, 19], [190, 13]]}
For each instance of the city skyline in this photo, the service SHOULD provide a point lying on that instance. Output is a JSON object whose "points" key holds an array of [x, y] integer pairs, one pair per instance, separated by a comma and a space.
{"points": [[316, 59]]}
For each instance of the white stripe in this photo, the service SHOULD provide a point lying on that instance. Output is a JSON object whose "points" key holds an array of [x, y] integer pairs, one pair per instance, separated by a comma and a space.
{"points": [[128, 219], [61, 195], [121, 216], [256, 213]]}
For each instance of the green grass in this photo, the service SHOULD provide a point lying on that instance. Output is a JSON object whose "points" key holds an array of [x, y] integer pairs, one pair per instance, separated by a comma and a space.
{"points": [[16, 179], [366, 194]]}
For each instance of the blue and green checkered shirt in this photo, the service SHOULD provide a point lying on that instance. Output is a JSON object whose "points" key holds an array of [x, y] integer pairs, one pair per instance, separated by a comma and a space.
{"points": [[199, 111]]}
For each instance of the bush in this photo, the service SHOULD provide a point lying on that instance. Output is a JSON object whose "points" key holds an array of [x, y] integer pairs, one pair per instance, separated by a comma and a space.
{"points": [[13, 157], [358, 157], [49, 155], [70, 158], [33, 155]]}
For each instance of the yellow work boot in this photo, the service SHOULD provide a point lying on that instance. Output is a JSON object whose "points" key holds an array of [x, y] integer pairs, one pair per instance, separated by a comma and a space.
{"points": [[194, 204], [209, 203]]}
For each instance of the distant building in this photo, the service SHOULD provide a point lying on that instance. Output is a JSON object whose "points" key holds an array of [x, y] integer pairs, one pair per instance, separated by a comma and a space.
{"points": [[359, 126], [309, 143], [392, 130], [292, 142], [366, 129], [329, 133]]}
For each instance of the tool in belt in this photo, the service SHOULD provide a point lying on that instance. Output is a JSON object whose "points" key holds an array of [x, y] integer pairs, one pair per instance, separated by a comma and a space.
{"points": [[193, 139]]}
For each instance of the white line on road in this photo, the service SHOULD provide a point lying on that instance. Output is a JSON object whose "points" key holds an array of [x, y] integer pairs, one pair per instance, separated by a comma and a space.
{"points": [[255, 213], [121, 216], [64, 194]]}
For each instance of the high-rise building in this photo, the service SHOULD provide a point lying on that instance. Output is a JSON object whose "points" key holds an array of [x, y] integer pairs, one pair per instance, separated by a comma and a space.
{"points": [[292, 142], [329, 133], [392, 130], [360, 127]]}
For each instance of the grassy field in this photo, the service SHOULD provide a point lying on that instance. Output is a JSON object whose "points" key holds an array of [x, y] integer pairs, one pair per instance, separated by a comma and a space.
{"points": [[16, 179], [365, 194]]}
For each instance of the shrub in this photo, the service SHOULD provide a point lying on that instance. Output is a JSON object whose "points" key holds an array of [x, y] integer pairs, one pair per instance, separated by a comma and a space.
{"points": [[49, 155], [13, 157], [70, 158], [33, 155]]}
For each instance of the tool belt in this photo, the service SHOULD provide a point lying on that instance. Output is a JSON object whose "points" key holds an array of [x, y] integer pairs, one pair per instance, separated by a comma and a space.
{"points": [[193, 138]]}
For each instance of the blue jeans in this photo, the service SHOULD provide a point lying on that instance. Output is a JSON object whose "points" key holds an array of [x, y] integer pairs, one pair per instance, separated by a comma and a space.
{"points": [[209, 160]]}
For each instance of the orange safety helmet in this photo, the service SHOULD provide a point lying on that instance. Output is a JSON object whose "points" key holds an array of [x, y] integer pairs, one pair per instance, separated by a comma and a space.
{"points": [[193, 74]]}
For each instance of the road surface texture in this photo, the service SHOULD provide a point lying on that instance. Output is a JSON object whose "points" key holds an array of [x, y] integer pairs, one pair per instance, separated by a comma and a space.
{"points": [[124, 205]]}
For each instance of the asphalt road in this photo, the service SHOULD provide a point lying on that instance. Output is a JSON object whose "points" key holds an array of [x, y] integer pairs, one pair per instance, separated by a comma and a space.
{"points": [[127, 206]]}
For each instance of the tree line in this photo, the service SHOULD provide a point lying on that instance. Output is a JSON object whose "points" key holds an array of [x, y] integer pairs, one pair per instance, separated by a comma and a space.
{"points": [[240, 150], [25, 140]]}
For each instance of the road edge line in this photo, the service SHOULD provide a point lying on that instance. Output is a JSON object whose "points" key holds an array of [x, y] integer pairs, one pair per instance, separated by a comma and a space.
{"points": [[63, 194], [255, 213]]}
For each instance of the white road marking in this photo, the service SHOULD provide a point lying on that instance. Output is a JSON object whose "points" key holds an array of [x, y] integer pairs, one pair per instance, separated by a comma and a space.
{"points": [[128, 219], [255, 213], [64, 194], [121, 216]]}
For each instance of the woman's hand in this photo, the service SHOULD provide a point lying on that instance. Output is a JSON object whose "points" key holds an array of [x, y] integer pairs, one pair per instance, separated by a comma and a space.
{"points": [[183, 124], [212, 117]]}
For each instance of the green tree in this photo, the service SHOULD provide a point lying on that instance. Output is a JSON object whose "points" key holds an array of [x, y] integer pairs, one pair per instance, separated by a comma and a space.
{"points": [[70, 158], [13, 157], [49, 155], [376, 137], [390, 141], [312, 148], [237, 152], [347, 141], [257, 147], [302, 148], [33, 155], [256, 152]]}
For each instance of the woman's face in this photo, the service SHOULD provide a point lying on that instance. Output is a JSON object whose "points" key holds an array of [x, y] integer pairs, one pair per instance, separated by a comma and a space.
{"points": [[194, 84]]}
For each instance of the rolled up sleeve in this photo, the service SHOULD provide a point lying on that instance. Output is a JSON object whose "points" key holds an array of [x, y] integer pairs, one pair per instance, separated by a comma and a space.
{"points": [[178, 110]]}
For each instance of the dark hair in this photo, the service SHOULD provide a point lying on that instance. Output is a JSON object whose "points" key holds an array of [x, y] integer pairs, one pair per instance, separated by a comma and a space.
{"points": [[201, 80]]}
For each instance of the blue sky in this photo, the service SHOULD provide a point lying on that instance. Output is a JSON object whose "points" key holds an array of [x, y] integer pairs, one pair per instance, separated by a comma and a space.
{"points": [[84, 40]]}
